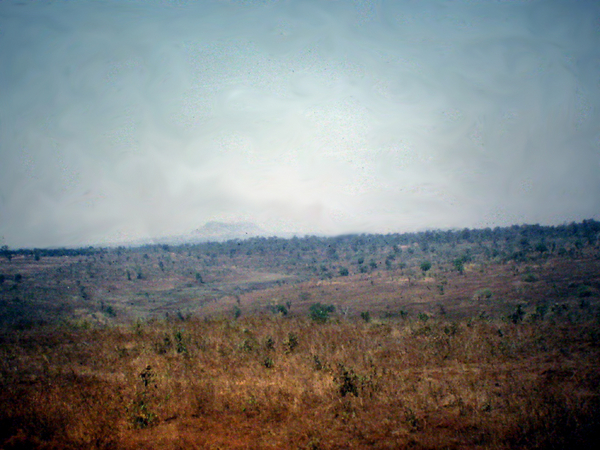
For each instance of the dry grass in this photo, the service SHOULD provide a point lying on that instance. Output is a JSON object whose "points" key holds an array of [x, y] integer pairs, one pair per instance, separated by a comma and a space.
{"points": [[221, 383]]}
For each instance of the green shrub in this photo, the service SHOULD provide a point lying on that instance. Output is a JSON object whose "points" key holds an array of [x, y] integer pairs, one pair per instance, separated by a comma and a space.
{"points": [[459, 265], [140, 414], [237, 312], [180, 344], [290, 343], [320, 313], [110, 311], [529, 278], [269, 343], [318, 364], [541, 310], [451, 329], [304, 296], [268, 362], [584, 291], [348, 381], [247, 345], [517, 315], [279, 309], [482, 294]]}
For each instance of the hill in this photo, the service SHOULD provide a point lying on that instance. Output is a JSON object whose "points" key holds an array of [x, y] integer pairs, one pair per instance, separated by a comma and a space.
{"points": [[222, 231]]}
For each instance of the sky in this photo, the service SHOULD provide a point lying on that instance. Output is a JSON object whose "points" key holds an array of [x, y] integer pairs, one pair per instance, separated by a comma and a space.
{"points": [[127, 120]]}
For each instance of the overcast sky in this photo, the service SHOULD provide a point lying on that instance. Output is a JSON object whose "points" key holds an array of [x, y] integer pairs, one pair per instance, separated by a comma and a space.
{"points": [[136, 119]]}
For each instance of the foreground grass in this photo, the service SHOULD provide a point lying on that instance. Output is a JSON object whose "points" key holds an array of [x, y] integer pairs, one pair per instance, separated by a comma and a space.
{"points": [[274, 382]]}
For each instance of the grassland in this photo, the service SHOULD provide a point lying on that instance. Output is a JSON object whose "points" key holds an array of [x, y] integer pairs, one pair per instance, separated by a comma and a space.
{"points": [[275, 382], [495, 346]]}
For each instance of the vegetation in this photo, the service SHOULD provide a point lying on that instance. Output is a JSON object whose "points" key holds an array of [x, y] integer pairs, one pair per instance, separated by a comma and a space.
{"points": [[308, 343], [320, 313], [51, 285], [274, 382]]}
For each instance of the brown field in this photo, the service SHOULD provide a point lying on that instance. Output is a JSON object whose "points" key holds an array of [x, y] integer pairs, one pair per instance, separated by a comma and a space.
{"points": [[275, 382], [502, 354]]}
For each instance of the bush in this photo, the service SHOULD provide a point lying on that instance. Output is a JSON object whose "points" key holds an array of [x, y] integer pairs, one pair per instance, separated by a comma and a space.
{"points": [[269, 343], [517, 315], [268, 362], [584, 291], [141, 416], [320, 313], [290, 343], [529, 278], [482, 294], [348, 381], [541, 310], [459, 265], [279, 309], [425, 266], [181, 347]]}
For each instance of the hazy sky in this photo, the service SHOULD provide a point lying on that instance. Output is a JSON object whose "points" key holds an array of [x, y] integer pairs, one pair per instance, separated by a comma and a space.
{"points": [[134, 119]]}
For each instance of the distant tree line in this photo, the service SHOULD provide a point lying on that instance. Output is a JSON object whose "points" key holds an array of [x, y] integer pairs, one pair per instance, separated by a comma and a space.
{"points": [[512, 242]]}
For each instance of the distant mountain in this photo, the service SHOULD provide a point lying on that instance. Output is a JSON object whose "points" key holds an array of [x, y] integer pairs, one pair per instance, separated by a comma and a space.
{"points": [[211, 232], [222, 231]]}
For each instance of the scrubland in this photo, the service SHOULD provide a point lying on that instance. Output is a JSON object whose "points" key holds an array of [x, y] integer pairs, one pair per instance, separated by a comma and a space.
{"points": [[278, 382], [496, 345]]}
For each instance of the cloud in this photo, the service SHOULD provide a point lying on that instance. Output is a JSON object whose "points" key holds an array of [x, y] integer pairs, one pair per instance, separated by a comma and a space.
{"points": [[139, 119]]}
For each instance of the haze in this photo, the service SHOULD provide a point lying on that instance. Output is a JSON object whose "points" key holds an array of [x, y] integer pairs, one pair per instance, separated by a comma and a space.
{"points": [[126, 120]]}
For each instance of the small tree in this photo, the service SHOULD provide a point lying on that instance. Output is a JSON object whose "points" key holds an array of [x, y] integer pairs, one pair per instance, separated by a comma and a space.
{"points": [[517, 315], [237, 312], [5, 251], [320, 313], [279, 309], [482, 294], [425, 266], [459, 265]]}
